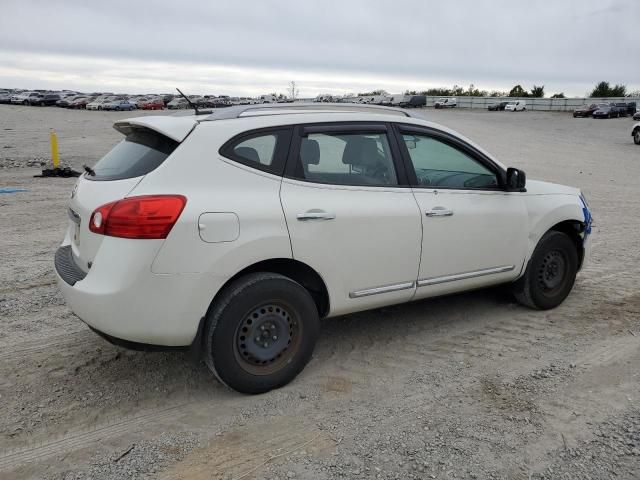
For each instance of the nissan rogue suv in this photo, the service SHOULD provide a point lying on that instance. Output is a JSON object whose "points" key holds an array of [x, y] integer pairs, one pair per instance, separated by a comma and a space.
{"points": [[234, 233]]}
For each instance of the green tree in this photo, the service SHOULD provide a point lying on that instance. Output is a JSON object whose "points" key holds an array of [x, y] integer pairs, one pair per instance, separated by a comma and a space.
{"points": [[518, 91], [537, 91], [380, 91], [602, 89], [619, 91], [558, 95]]}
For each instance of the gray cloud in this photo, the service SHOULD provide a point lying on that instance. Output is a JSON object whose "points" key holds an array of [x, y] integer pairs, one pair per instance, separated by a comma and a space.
{"points": [[257, 46]]}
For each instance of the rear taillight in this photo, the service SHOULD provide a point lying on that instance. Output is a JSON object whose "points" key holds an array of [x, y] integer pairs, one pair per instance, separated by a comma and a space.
{"points": [[149, 216]]}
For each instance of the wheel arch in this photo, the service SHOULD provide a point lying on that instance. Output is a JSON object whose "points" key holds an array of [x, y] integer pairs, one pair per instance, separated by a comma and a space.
{"points": [[295, 270]]}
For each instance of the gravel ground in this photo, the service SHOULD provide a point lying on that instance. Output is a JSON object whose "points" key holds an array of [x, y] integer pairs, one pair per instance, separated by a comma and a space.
{"points": [[469, 386]]}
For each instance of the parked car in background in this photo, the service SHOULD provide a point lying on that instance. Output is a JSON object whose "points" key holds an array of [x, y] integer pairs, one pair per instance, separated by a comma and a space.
{"points": [[636, 116], [605, 110], [19, 97], [81, 102], [152, 104], [585, 110], [119, 104], [25, 98], [44, 100], [635, 133], [516, 106], [446, 102], [631, 108], [220, 102], [621, 108], [5, 96], [99, 103], [177, 103], [249, 243], [66, 101], [498, 106]]}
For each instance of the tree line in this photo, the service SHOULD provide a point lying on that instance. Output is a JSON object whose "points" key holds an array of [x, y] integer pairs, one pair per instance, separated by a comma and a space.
{"points": [[602, 89]]}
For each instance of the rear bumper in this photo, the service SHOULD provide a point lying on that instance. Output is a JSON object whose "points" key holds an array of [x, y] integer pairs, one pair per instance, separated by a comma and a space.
{"points": [[121, 298]]}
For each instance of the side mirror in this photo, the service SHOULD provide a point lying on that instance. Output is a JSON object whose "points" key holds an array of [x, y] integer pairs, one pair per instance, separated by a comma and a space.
{"points": [[516, 179]]}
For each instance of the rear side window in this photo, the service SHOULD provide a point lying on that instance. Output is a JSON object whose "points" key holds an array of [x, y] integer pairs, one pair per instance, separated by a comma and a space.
{"points": [[346, 159], [262, 149], [141, 152]]}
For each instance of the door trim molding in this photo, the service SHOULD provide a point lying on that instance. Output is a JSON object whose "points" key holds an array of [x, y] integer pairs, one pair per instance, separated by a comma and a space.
{"points": [[424, 282], [395, 287]]}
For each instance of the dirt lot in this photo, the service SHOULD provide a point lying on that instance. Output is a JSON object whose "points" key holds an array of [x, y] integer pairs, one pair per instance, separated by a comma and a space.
{"points": [[471, 386]]}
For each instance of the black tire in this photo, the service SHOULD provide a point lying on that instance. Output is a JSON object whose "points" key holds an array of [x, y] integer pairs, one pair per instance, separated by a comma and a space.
{"points": [[550, 274], [234, 332], [26, 102], [636, 136]]}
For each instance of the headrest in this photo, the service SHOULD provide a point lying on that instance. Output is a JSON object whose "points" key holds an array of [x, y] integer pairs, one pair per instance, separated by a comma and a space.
{"points": [[309, 152], [361, 151], [248, 153]]}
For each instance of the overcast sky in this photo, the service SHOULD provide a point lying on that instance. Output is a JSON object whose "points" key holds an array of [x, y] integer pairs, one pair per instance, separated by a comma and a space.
{"points": [[242, 47]]}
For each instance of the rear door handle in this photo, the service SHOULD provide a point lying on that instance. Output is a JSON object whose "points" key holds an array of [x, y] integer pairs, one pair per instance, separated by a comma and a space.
{"points": [[303, 217], [439, 212]]}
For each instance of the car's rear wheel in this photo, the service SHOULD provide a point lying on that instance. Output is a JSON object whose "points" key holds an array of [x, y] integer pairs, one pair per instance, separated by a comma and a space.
{"points": [[636, 136], [550, 274], [260, 332]]}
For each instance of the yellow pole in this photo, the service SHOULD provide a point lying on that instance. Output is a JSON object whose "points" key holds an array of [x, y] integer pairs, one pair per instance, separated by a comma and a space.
{"points": [[54, 148]]}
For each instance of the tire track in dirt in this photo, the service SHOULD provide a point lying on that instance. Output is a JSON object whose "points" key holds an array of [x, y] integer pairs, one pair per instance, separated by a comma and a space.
{"points": [[12, 459], [29, 348]]}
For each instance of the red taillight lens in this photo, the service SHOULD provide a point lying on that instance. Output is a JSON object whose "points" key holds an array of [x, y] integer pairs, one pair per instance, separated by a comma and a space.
{"points": [[150, 216]]}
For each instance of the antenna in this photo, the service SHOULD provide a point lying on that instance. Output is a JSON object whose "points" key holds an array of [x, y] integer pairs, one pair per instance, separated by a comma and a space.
{"points": [[193, 105]]}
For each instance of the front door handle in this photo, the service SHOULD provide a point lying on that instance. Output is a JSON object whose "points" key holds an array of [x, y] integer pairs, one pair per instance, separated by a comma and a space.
{"points": [[439, 212], [311, 215]]}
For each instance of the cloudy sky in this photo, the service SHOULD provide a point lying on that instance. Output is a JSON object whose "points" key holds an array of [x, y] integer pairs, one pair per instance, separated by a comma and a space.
{"points": [[242, 47]]}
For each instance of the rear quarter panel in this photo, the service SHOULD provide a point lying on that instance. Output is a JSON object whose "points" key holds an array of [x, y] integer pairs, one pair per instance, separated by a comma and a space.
{"points": [[212, 183]]}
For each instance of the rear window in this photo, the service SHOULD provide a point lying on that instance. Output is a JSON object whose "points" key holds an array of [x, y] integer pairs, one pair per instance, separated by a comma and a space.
{"points": [[141, 152]]}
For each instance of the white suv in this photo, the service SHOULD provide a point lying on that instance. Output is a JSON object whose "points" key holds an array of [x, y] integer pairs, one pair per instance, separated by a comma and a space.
{"points": [[234, 233]]}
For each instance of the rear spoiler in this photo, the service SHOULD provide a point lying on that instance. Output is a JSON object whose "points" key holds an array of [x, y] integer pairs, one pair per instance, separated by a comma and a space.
{"points": [[176, 128]]}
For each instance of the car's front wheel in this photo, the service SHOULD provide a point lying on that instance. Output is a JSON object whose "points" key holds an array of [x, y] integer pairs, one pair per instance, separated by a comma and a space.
{"points": [[550, 274], [260, 333], [636, 136]]}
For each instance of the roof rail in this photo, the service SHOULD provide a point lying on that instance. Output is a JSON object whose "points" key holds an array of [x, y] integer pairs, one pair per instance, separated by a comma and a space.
{"points": [[298, 108]]}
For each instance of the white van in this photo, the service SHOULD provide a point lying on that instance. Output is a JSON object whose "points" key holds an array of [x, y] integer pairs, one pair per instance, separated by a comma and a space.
{"points": [[516, 105], [268, 99], [446, 102]]}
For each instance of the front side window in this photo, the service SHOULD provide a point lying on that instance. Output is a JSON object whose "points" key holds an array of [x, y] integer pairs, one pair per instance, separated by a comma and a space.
{"points": [[438, 164], [346, 159]]}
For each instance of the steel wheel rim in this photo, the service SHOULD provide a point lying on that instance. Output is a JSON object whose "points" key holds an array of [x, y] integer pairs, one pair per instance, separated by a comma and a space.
{"points": [[256, 349], [553, 271]]}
